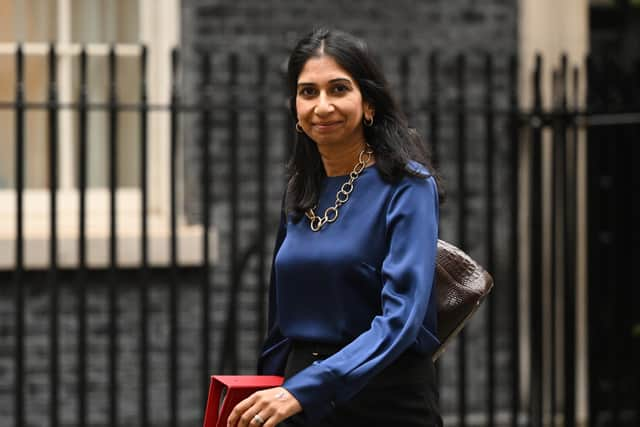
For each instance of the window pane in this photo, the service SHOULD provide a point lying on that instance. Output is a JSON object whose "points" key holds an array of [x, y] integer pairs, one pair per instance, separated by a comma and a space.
{"points": [[7, 21], [7, 118], [105, 21], [35, 122], [7, 147], [28, 20], [36, 152], [36, 149], [128, 129], [99, 124]]}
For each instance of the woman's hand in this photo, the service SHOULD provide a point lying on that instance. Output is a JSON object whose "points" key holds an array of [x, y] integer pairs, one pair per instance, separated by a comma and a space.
{"points": [[264, 408]]}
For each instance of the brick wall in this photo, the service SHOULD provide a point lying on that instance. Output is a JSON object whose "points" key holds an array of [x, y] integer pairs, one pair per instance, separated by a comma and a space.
{"points": [[38, 356]]}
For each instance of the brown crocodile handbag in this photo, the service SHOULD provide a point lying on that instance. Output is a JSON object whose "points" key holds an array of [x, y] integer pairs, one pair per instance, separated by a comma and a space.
{"points": [[461, 286]]}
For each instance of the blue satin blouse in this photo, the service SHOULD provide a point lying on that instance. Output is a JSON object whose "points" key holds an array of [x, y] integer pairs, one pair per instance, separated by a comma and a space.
{"points": [[365, 281]]}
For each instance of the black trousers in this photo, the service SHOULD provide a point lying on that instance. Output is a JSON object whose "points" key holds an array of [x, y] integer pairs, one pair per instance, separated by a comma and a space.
{"points": [[404, 394]]}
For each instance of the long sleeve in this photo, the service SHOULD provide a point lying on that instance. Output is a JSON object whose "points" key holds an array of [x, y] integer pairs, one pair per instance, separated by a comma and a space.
{"points": [[273, 357], [407, 275]]}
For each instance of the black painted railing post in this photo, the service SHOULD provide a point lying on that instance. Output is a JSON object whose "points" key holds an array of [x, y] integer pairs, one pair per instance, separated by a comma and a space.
{"points": [[262, 194], [205, 120], [113, 243], [231, 338], [228, 355], [52, 113], [514, 171], [82, 241], [173, 286], [144, 243], [434, 130], [19, 292], [559, 182], [461, 141], [535, 263], [434, 112], [554, 177], [405, 69], [490, 232], [289, 124], [570, 249]]}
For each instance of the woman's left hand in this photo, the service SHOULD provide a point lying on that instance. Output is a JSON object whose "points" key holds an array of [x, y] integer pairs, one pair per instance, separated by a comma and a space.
{"points": [[264, 408]]}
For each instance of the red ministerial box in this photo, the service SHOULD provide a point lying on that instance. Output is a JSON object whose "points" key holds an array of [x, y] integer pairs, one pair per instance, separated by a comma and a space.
{"points": [[226, 391]]}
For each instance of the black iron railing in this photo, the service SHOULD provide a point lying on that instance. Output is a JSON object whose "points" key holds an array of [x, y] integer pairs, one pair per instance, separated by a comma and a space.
{"points": [[445, 121]]}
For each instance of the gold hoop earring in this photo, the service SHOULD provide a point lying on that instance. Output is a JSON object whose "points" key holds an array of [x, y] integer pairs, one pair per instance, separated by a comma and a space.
{"points": [[299, 128], [368, 122]]}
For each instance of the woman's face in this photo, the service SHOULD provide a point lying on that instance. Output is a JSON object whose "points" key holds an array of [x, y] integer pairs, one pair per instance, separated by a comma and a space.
{"points": [[329, 103]]}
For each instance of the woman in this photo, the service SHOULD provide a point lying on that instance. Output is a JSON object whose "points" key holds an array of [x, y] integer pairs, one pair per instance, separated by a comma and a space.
{"points": [[352, 316]]}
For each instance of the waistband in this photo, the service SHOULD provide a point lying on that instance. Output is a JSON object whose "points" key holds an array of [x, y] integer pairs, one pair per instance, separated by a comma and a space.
{"points": [[316, 349], [410, 367]]}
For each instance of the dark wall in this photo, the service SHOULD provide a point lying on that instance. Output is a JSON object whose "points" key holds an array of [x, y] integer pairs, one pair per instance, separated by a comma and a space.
{"points": [[614, 239], [97, 283], [391, 26]]}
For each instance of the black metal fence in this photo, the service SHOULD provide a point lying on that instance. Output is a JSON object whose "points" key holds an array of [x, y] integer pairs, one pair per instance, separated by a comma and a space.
{"points": [[454, 107]]}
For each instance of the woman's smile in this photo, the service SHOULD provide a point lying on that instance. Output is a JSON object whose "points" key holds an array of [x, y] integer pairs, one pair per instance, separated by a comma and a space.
{"points": [[327, 126]]}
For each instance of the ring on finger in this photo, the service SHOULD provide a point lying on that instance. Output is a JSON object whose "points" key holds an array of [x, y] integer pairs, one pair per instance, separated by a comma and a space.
{"points": [[258, 419]]}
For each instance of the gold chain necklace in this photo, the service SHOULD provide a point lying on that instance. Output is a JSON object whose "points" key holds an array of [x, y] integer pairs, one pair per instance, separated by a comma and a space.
{"points": [[331, 213]]}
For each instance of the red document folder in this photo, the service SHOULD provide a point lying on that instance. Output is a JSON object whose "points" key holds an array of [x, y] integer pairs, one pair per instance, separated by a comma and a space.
{"points": [[226, 391]]}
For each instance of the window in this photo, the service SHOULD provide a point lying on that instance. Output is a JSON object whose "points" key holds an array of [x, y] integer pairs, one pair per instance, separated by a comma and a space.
{"points": [[71, 23], [96, 24]]}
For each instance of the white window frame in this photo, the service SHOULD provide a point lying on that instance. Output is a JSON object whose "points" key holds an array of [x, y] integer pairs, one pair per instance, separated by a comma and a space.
{"points": [[159, 31]]}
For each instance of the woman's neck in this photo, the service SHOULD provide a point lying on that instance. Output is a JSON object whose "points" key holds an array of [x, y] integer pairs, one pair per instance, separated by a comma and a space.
{"points": [[340, 159]]}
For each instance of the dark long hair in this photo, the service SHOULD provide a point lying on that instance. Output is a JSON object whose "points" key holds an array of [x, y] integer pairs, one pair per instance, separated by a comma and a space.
{"points": [[393, 143]]}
